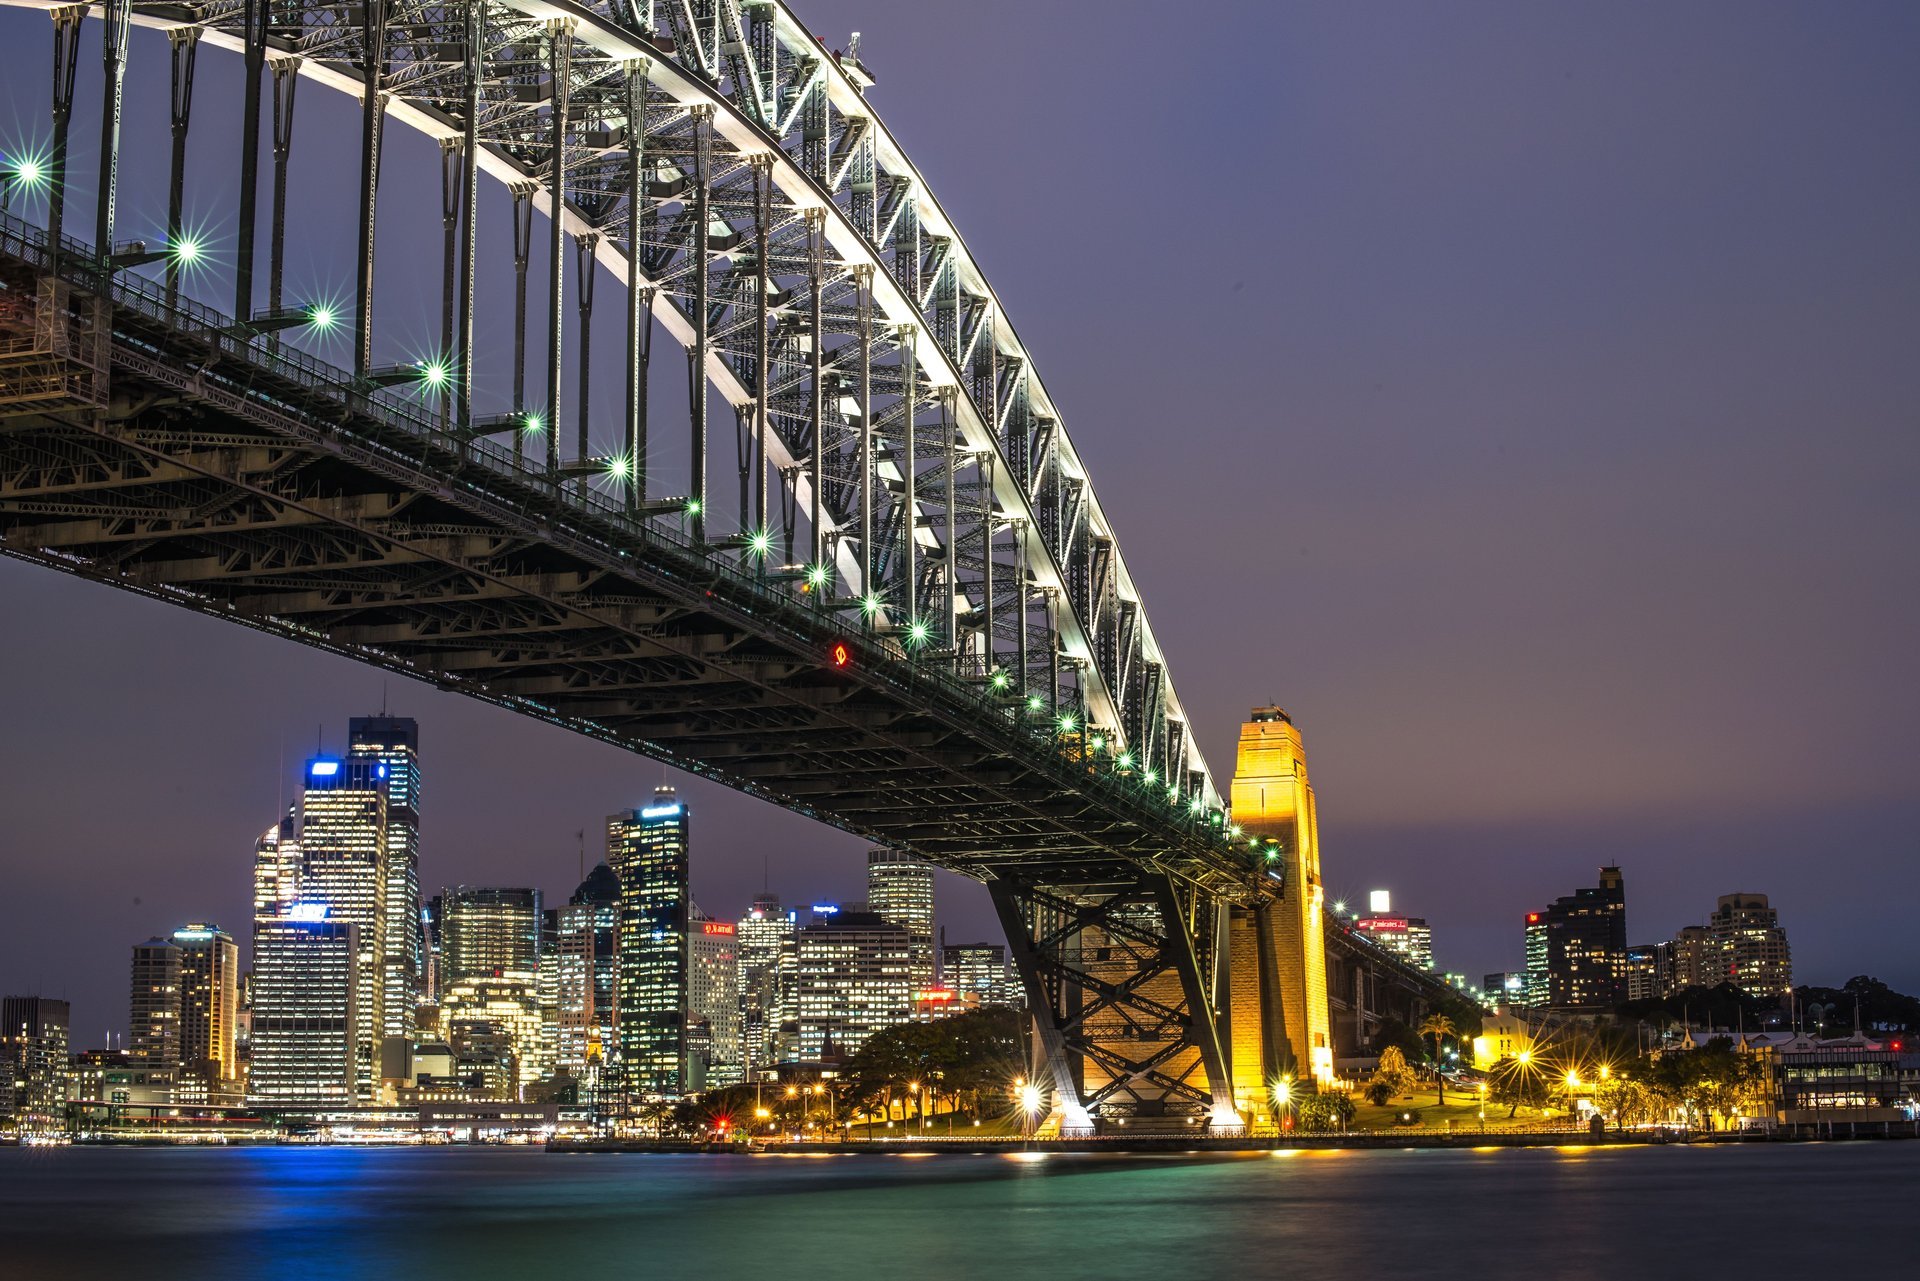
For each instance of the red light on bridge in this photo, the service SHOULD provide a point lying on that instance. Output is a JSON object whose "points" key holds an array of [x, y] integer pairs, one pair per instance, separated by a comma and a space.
{"points": [[841, 655]]}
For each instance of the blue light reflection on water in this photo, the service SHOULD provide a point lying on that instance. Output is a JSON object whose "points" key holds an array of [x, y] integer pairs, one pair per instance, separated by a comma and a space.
{"points": [[479, 1214]]}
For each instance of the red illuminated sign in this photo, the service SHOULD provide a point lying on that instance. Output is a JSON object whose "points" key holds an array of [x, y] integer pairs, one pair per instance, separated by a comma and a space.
{"points": [[935, 994], [715, 927], [841, 655], [1533, 918]]}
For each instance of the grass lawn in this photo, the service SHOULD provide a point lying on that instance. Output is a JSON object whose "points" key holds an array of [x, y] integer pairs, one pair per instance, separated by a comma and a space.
{"points": [[1462, 1109]]}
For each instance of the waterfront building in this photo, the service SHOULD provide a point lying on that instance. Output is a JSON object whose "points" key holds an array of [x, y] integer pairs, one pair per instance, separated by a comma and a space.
{"points": [[392, 744], [1586, 946], [1408, 937], [343, 865], [584, 962], [977, 972], [309, 974], [648, 850], [713, 998], [900, 889], [854, 979], [185, 1010], [35, 1065], [763, 940], [1504, 1034], [1536, 959]]}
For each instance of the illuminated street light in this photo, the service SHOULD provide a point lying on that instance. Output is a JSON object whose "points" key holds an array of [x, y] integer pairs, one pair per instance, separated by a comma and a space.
{"points": [[870, 604], [1035, 703], [533, 423], [817, 576], [322, 317], [1126, 760], [761, 543], [918, 632], [185, 251], [1068, 723], [1001, 680]]}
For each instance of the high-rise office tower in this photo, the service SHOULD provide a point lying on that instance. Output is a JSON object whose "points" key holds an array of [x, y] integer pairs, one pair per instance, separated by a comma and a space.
{"points": [[1408, 937], [763, 937], [392, 743], [855, 978], [344, 848], [490, 955], [977, 972], [276, 867], [1586, 937], [584, 960], [713, 997], [186, 1008], [35, 1066], [308, 1030], [647, 849], [1535, 991], [487, 931], [900, 889], [1646, 970], [153, 1021]]}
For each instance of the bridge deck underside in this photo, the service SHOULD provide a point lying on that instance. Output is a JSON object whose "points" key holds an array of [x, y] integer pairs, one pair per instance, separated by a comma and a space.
{"points": [[215, 483]]}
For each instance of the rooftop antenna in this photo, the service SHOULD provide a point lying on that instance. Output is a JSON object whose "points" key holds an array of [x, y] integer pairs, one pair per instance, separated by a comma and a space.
{"points": [[581, 836]]}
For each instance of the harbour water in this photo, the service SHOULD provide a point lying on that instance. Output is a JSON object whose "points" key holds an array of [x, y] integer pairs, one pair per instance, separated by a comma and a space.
{"points": [[484, 1213]]}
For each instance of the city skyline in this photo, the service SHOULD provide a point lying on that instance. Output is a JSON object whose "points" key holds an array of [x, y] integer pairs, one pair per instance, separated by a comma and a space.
{"points": [[1493, 630]]}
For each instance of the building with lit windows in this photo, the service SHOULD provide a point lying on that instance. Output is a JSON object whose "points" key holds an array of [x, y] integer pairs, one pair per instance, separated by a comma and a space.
{"points": [[343, 865], [1752, 946], [854, 979], [764, 942], [977, 973], [1407, 937], [1586, 946], [309, 971], [490, 958], [900, 889], [648, 850], [584, 961], [392, 743], [36, 1069], [1648, 965], [276, 867], [185, 1011], [713, 1000], [1536, 954]]}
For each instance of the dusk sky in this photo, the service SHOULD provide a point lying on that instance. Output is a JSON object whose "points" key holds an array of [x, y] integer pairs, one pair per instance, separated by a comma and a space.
{"points": [[1524, 396]]}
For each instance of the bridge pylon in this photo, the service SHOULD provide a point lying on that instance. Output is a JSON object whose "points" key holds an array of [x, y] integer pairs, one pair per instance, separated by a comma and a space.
{"points": [[1277, 949]]}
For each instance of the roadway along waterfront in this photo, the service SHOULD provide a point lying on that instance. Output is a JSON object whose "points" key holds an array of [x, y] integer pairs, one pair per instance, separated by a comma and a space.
{"points": [[477, 1214]]}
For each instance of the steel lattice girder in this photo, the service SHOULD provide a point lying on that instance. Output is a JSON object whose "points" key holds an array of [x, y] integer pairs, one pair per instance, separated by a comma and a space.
{"points": [[899, 296]]}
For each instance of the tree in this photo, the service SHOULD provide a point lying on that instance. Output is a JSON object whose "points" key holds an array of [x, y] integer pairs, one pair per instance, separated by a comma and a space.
{"points": [[1516, 1084], [1439, 1027], [1391, 1077], [1710, 1082], [1324, 1113]]}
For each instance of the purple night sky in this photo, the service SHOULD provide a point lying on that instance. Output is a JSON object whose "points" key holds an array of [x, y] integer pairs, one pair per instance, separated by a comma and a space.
{"points": [[1524, 396]]}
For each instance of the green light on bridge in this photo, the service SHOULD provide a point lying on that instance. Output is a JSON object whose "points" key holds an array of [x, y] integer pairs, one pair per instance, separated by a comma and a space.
{"points": [[1000, 680], [761, 543]]}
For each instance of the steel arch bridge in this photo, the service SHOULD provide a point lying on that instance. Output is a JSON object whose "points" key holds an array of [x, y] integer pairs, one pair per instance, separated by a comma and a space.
{"points": [[904, 611]]}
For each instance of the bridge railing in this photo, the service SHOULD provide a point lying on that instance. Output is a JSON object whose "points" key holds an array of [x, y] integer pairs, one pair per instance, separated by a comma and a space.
{"points": [[417, 435]]}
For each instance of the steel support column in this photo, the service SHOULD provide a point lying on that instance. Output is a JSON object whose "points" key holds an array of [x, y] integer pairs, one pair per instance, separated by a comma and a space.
{"points": [[560, 70], [184, 45], [863, 283], [639, 301], [522, 250], [763, 372], [66, 59], [286, 82], [476, 17], [816, 378], [583, 251], [117, 15], [697, 354], [372, 120], [910, 514], [452, 188], [254, 15]]}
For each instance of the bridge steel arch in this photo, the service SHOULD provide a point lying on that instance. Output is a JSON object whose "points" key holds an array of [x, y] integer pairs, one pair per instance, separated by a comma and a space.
{"points": [[905, 480]]}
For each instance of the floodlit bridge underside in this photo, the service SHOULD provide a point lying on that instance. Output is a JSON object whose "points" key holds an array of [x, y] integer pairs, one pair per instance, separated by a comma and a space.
{"points": [[912, 620]]}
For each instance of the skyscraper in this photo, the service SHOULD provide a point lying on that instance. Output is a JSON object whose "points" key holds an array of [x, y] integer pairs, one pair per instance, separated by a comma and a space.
{"points": [[276, 867], [647, 849], [713, 998], [977, 972], [490, 953], [1586, 938], [344, 850], [854, 979], [186, 1009], [392, 743], [1535, 991], [308, 1028], [585, 965], [1408, 937], [764, 942], [900, 889]]}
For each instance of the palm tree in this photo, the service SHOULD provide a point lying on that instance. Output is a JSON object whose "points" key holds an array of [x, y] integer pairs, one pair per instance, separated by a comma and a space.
{"points": [[1439, 1027]]}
